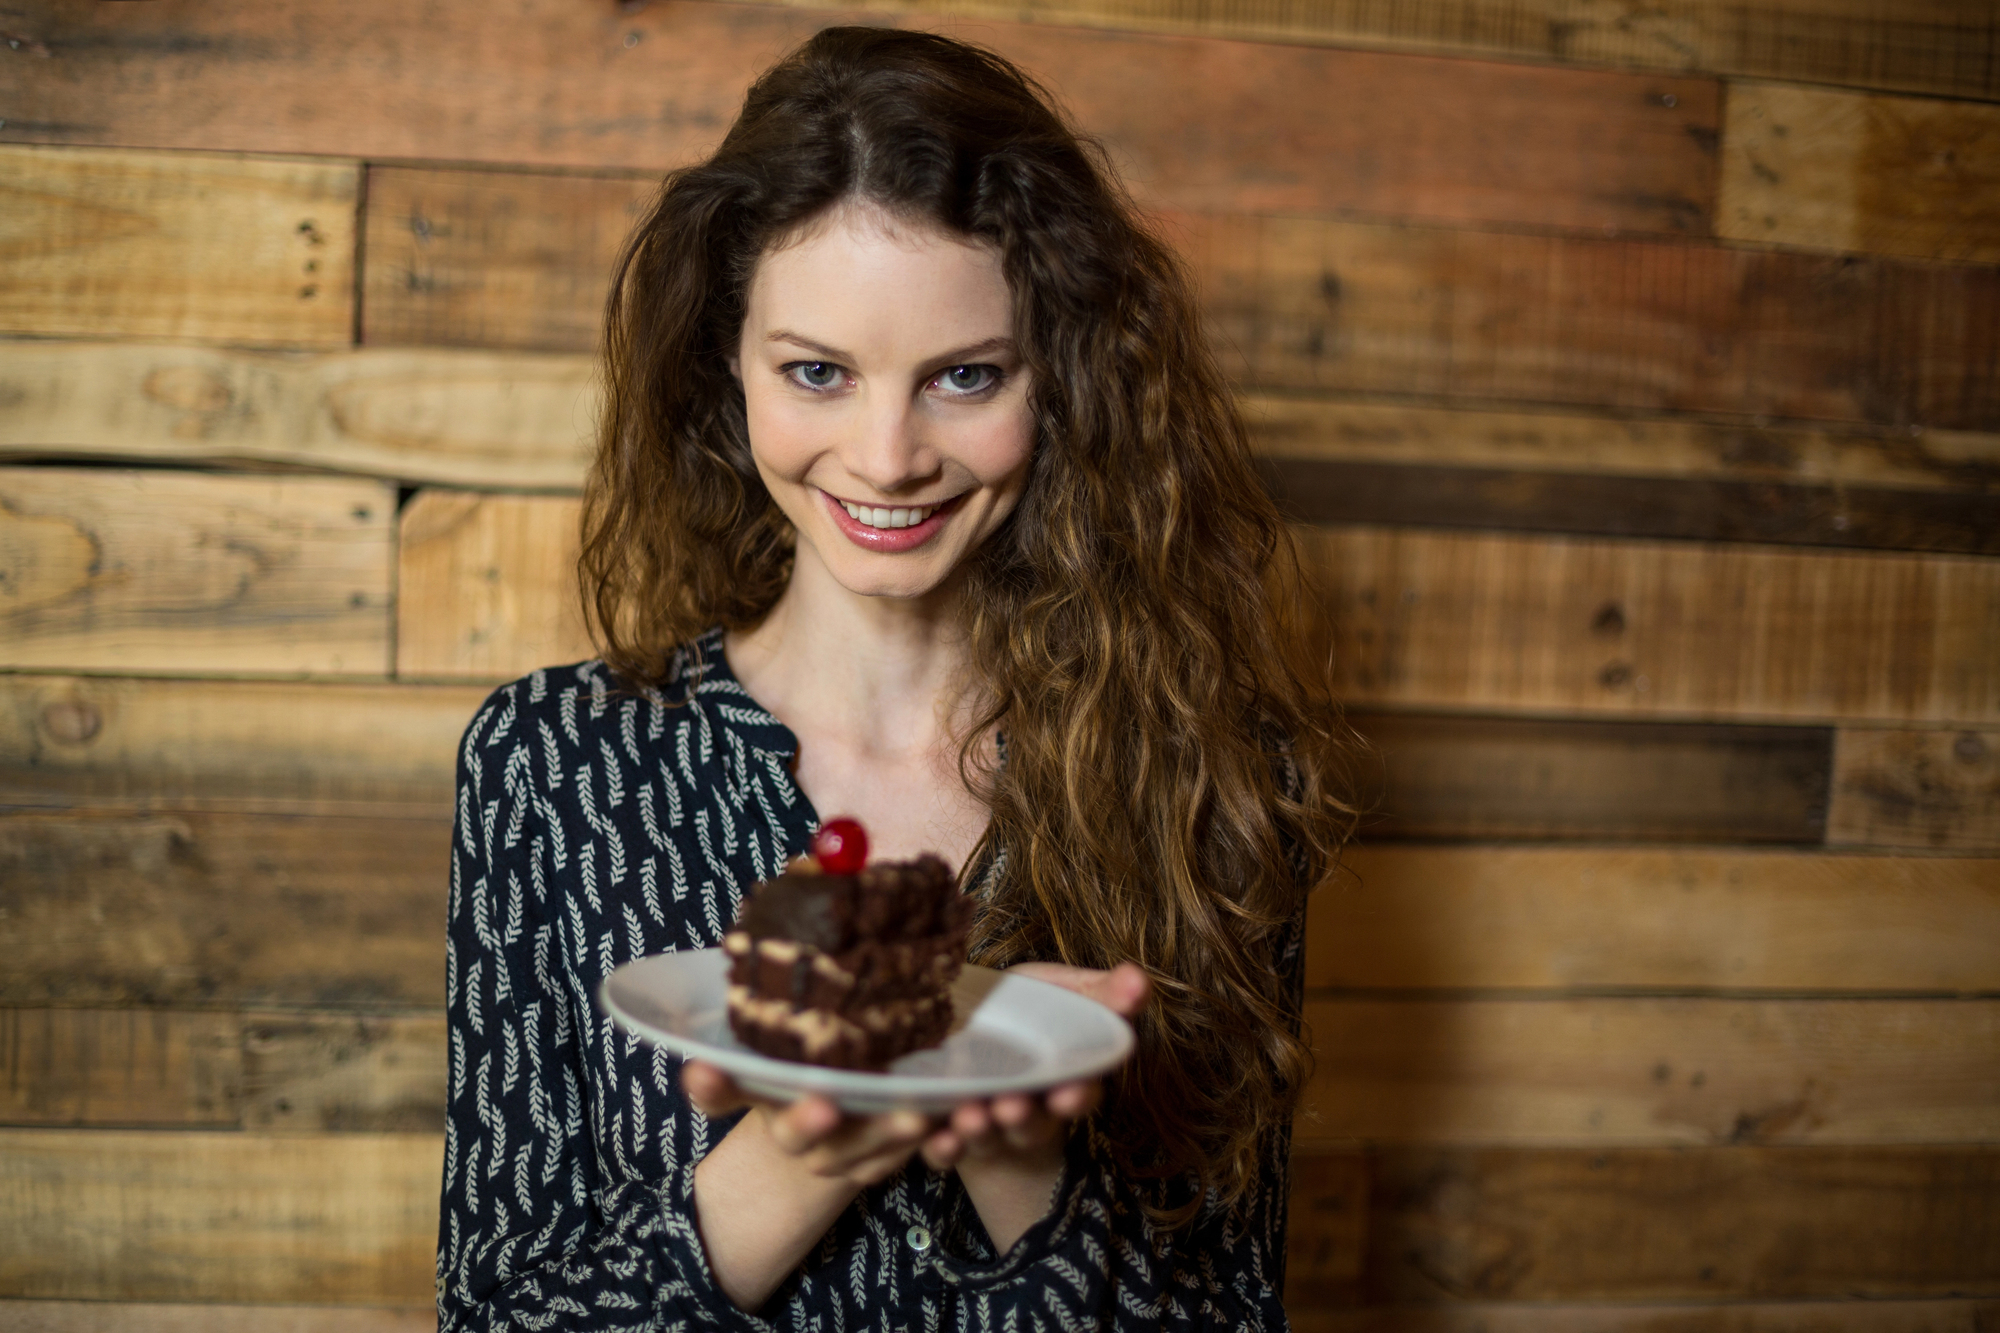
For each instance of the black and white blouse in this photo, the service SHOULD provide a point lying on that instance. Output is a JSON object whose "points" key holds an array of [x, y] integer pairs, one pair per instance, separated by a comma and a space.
{"points": [[594, 827]]}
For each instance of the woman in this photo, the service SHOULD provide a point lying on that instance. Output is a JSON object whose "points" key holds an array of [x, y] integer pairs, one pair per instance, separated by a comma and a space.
{"points": [[918, 499]]}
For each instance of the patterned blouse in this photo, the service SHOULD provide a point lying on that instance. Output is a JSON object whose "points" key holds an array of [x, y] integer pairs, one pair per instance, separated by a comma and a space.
{"points": [[595, 827]]}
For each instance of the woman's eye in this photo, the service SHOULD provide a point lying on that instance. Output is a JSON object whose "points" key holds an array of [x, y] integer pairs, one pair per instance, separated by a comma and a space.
{"points": [[968, 379], [814, 374]]}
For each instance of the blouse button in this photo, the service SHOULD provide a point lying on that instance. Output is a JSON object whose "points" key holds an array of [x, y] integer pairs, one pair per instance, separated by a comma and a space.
{"points": [[920, 1239]]}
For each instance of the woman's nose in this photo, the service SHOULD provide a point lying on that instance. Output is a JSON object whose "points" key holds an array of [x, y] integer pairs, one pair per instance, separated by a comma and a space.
{"points": [[889, 446]]}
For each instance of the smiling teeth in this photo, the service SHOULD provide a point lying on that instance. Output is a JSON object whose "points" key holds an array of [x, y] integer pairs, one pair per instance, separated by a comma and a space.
{"points": [[888, 518]]}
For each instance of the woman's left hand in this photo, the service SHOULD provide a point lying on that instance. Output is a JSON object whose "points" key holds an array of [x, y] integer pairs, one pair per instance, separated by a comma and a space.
{"points": [[1008, 1150]]}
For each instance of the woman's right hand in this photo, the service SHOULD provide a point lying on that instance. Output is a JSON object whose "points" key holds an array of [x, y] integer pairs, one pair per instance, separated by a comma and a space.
{"points": [[824, 1140]]}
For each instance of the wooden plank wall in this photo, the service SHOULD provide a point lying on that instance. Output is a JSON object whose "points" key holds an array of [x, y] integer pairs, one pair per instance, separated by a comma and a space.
{"points": [[1632, 374]]}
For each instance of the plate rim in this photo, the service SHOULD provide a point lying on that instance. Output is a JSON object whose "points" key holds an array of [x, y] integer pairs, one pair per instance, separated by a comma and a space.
{"points": [[875, 1087]]}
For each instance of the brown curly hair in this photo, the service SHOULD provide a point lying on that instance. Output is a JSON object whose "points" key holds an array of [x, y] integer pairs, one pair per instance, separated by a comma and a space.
{"points": [[1173, 762]]}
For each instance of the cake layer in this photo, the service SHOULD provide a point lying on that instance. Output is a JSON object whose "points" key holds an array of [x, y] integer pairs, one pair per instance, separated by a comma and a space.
{"points": [[866, 1038]]}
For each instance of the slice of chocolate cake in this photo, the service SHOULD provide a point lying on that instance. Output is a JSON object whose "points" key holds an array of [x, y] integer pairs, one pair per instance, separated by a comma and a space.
{"points": [[847, 970]]}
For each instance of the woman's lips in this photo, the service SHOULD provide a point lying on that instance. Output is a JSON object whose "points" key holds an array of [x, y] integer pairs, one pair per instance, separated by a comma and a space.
{"points": [[888, 540]]}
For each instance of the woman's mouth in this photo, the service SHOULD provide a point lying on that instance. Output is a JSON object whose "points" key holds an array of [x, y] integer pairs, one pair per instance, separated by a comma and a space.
{"points": [[889, 528]]}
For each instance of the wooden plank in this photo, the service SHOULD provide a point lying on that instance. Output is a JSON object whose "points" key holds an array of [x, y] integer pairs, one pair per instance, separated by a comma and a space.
{"points": [[270, 1070], [653, 88], [1876, 1316], [137, 1215], [487, 586], [383, 750], [1488, 778], [1654, 1071], [102, 569], [142, 1317], [1302, 303], [1318, 427], [120, 1067], [1326, 1244], [222, 909], [1846, 171], [1935, 46], [152, 245], [1662, 1224], [493, 258], [474, 418], [1320, 491], [1655, 918], [1460, 620], [1935, 789]]}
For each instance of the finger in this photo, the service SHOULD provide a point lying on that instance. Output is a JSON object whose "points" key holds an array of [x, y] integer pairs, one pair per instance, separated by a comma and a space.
{"points": [[805, 1124], [860, 1142], [1124, 989], [971, 1120], [712, 1092], [943, 1149], [1073, 1101], [1012, 1112]]}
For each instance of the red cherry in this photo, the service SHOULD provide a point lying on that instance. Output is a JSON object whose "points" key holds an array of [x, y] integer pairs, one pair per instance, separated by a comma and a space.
{"points": [[840, 847]]}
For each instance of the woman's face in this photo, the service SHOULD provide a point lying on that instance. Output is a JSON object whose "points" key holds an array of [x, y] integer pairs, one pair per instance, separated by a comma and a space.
{"points": [[888, 406]]}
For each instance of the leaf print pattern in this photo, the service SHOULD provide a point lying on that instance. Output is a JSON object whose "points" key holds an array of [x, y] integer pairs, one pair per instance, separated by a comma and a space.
{"points": [[569, 1151]]}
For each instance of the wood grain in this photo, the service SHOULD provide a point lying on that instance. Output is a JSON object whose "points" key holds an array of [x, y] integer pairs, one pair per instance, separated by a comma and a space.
{"points": [[476, 418], [192, 1215], [1933, 46], [493, 258], [1320, 491], [150, 245], [1277, 127], [1329, 428], [143, 1317], [1658, 629], [1458, 777], [1653, 1224], [1934, 789], [486, 587], [1654, 1071], [1300, 303], [270, 1070], [1655, 918], [384, 750], [120, 1067], [222, 909], [109, 570], [1835, 170], [1835, 1316]]}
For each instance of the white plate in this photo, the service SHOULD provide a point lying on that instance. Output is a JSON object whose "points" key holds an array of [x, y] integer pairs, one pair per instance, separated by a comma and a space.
{"points": [[1010, 1034]]}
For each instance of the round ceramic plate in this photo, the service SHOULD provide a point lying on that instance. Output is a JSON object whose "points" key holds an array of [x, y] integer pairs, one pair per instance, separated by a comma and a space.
{"points": [[1010, 1034]]}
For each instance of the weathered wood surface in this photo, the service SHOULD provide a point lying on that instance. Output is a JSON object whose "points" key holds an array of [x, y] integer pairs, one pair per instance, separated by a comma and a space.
{"points": [[1654, 1071], [142, 1317], [1302, 303], [485, 419], [222, 909], [1277, 127], [1933, 789], [463, 258], [1326, 428], [1934, 46], [1320, 491], [193, 1215], [1653, 1224], [231, 745], [1847, 171], [1875, 1316], [176, 572], [487, 586], [119, 1067], [1658, 629], [151, 245], [272, 1070], [1654, 918], [1490, 778]]}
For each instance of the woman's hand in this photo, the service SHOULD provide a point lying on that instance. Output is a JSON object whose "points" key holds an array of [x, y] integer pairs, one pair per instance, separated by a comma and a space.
{"points": [[824, 1140], [1009, 1150]]}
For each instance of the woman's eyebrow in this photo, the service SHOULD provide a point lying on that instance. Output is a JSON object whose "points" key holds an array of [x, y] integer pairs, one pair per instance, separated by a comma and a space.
{"points": [[956, 356]]}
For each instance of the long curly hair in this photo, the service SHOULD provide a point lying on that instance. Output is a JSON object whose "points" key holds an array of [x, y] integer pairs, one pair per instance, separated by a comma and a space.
{"points": [[1173, 765]]}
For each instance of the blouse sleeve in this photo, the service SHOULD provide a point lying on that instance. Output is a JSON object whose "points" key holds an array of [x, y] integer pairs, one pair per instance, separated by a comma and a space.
{"points": [[529, 1233]]}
